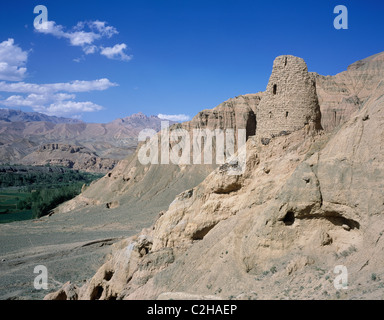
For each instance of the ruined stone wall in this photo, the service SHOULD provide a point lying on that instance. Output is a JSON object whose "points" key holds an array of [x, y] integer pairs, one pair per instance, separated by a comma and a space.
{"points": [[290, 101]]}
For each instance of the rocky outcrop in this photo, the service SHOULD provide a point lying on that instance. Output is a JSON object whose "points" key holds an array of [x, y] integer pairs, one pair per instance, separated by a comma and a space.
{"points": [[289, 227], [235, 113], [67, 292], [307, 202], [135, 185], [68, 156], [345, 93]]}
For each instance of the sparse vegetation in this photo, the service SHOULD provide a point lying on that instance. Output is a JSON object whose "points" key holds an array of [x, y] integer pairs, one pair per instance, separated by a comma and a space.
{"points": [[273, 270], [346, 252], [318, 287]]}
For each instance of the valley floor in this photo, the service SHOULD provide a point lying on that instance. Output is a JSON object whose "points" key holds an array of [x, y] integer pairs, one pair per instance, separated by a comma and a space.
{"points": [[71, 246]]}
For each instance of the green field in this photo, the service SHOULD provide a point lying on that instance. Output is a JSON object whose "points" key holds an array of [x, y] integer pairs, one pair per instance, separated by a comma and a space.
{"points": [[8, 205], [28, 192]]}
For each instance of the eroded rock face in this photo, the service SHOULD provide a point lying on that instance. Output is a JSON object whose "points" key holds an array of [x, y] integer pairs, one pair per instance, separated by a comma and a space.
{"points": [[69, 156], [318, 206], [345, 93], [306, 202], [69, 291], [235, 113], [159, 183]]}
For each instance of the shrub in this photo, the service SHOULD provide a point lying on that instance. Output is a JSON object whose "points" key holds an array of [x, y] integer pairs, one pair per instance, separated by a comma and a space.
{"points": [[45, 200]]}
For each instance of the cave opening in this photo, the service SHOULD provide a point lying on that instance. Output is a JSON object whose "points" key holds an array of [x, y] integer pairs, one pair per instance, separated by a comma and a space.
{"points": [[289, 218]]}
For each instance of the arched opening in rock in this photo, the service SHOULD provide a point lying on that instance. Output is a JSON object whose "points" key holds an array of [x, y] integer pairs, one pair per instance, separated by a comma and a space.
{"points": [[200, 234], [97, 292], [62, 296], [251, 125], [286, 114], [108, 275], [289, 218], [274, 88]]}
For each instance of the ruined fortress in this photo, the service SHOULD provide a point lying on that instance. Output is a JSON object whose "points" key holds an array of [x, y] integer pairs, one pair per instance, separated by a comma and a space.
{"points": [[290, 101]]}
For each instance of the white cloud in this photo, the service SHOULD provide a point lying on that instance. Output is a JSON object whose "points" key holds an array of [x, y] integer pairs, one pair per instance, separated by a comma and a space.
{"points": [[82, 86], [50, 27], [82, 38], [174, 117], [76, 116], [84, 34], [78, 59], [116, 52], [76, 38], [65, 108], [54, 99], [34, 100], [12, 61], [90, 49], [73, 86], [61, 104], [100, 26]]}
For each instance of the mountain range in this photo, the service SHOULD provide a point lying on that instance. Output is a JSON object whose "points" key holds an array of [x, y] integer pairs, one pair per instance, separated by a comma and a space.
{"points": [[11, 115], [93, 147]]}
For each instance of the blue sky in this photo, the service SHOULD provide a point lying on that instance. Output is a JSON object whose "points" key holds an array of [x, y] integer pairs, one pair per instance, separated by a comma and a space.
{"points": [[102, 60]]}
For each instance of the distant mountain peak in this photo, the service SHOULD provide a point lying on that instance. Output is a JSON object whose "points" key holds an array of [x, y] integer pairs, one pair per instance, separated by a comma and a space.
{"points": [[12, 115], [138, 115]]}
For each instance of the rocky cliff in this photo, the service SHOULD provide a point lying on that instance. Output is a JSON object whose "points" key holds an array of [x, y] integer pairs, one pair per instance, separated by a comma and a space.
{"points": [[68, 156], [345, 93], [308, 201], [150, 188]]}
